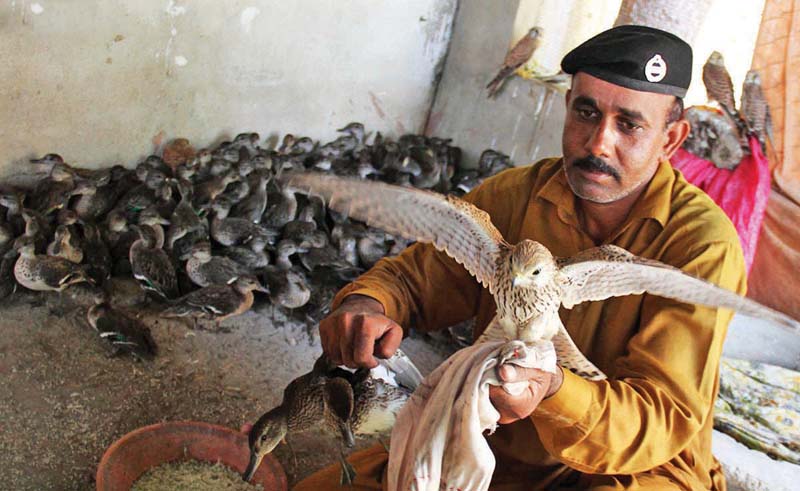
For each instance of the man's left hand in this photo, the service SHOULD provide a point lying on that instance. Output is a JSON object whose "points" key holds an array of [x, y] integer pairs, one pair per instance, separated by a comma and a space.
{"points": [[515, 407]]}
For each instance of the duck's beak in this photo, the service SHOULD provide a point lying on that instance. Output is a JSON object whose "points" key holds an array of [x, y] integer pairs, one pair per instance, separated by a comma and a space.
{"points": [[252, 466], [347, 435]]}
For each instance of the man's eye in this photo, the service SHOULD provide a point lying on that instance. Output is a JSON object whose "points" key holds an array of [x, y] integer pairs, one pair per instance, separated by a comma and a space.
{"points": [[586, 113], [629, 126]]}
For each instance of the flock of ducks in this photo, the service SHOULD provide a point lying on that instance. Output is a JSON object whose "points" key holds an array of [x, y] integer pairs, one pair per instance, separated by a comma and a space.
{"points": [[201, 231]]}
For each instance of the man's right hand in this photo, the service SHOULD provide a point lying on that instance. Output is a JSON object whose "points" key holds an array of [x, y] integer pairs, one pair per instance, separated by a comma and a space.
{"points": [[357, 331]]}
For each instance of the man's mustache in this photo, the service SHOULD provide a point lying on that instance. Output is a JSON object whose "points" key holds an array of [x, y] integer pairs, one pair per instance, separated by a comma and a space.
{"points": [[595, 164]]}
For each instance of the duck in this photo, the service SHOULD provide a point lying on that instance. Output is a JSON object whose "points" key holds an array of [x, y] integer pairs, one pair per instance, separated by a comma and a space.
{"points": [[119, 237], [237, 191], [205, 192], [150, 264], [328, 258], [45, 273], [53, 193], [96, 254], [65, 244], [216, 302], [288, 288], [313, 400], [364, 403], [247, 141], [247, 257], [283, 210], [8, 259], [252, 207], [37, 229], [145, 194], [6, 237], [465, 181], [17, 215], [182, 248], [372, 247], [346, 235], [231, 231], [430, 168], [12, 215], [304, 234], [122, 332], [355, 130], [8, 256], [205, 270], [325, 287], [185, 218], [284, 252]]}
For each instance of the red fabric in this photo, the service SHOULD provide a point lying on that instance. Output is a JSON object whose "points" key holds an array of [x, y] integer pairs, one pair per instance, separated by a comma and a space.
{"points": [[742, 192]]}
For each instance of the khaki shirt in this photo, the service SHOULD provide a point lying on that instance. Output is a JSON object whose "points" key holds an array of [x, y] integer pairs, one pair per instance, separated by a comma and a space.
{"points": [[655, 412]]}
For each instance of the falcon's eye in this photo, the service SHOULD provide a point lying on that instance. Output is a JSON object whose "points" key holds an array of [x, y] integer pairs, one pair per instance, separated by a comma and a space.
{"points": [[535, 272]]}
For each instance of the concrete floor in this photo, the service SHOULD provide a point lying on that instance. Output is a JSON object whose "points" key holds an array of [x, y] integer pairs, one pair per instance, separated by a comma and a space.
{"points": [[64, 401]]}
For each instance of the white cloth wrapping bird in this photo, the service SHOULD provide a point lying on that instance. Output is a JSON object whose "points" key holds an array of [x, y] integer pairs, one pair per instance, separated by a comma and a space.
{"points": [[437, 442]]}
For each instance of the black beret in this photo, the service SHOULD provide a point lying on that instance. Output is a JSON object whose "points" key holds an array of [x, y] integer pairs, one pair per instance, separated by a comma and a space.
{"points": [[636, 57]]}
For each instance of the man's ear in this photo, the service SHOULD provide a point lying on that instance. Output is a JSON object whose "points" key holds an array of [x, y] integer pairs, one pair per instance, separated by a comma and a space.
{"points": [[676, 134]]}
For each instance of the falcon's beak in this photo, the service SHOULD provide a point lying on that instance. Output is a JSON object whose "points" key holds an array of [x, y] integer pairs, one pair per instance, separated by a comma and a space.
{"points": [[515, 282]]}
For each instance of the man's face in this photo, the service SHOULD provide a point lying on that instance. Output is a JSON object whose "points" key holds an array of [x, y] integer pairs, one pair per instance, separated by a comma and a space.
{"points": [[613, 138]]}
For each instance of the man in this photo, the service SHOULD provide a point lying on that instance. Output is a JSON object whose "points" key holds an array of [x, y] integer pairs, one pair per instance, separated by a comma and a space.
{"points": [[649, 425]]}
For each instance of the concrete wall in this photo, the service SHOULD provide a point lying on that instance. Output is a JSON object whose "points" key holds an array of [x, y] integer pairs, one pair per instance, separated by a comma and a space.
{"points": [[106, 82], [525, 120], [566, 24]]}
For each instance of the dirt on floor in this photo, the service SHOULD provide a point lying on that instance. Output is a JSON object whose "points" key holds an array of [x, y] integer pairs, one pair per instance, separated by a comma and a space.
{"points": [[64, 400]]}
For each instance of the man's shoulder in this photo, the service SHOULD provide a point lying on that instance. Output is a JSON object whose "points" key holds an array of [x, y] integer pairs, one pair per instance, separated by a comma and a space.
{"points": [[695, 220], [522, 177]]}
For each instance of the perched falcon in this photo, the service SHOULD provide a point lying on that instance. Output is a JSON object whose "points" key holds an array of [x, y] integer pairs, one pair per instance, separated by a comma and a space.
{"points": [[718, 83], [515, 58], [527, 282], [754, 107]]}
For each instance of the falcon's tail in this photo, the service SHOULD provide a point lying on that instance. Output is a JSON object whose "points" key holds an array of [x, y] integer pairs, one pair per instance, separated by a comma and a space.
{"points": [[497, 82]]}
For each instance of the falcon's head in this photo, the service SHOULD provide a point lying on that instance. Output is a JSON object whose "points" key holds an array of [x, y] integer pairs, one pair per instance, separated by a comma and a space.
{"points": [[535, 32], [532, 265], [752, 77], [715, 58]]}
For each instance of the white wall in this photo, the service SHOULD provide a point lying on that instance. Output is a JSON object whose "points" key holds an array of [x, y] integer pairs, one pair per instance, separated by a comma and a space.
{"points": [[727, 26], [106, 82]]}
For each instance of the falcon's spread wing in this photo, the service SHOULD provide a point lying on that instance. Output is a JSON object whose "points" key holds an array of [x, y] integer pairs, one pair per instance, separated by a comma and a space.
{"points": [[569, 356], [460, 229], [610, 271]]}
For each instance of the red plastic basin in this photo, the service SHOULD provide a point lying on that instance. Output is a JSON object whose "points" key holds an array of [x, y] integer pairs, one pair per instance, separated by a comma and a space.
{"points": [[140, 450]]}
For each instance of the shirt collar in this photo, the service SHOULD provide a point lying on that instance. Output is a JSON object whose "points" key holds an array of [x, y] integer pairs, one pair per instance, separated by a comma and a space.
{"points": [[654, 203]]}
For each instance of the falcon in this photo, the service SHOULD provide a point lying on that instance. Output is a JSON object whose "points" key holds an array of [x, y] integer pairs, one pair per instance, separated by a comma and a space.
{"points": [[754, 107], [528, 283], [515, 58], [719, 86]]}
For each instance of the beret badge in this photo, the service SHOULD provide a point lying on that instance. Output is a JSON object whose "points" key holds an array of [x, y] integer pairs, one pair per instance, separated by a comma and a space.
{"points": [[655, 69]]}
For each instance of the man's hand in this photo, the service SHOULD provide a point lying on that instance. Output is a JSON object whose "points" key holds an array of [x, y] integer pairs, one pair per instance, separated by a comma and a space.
{"points": [[357, 331], [515, 407]]}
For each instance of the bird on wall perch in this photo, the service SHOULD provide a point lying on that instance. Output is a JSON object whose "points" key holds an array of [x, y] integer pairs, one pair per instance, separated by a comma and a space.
{"points": [[516, 58]]}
